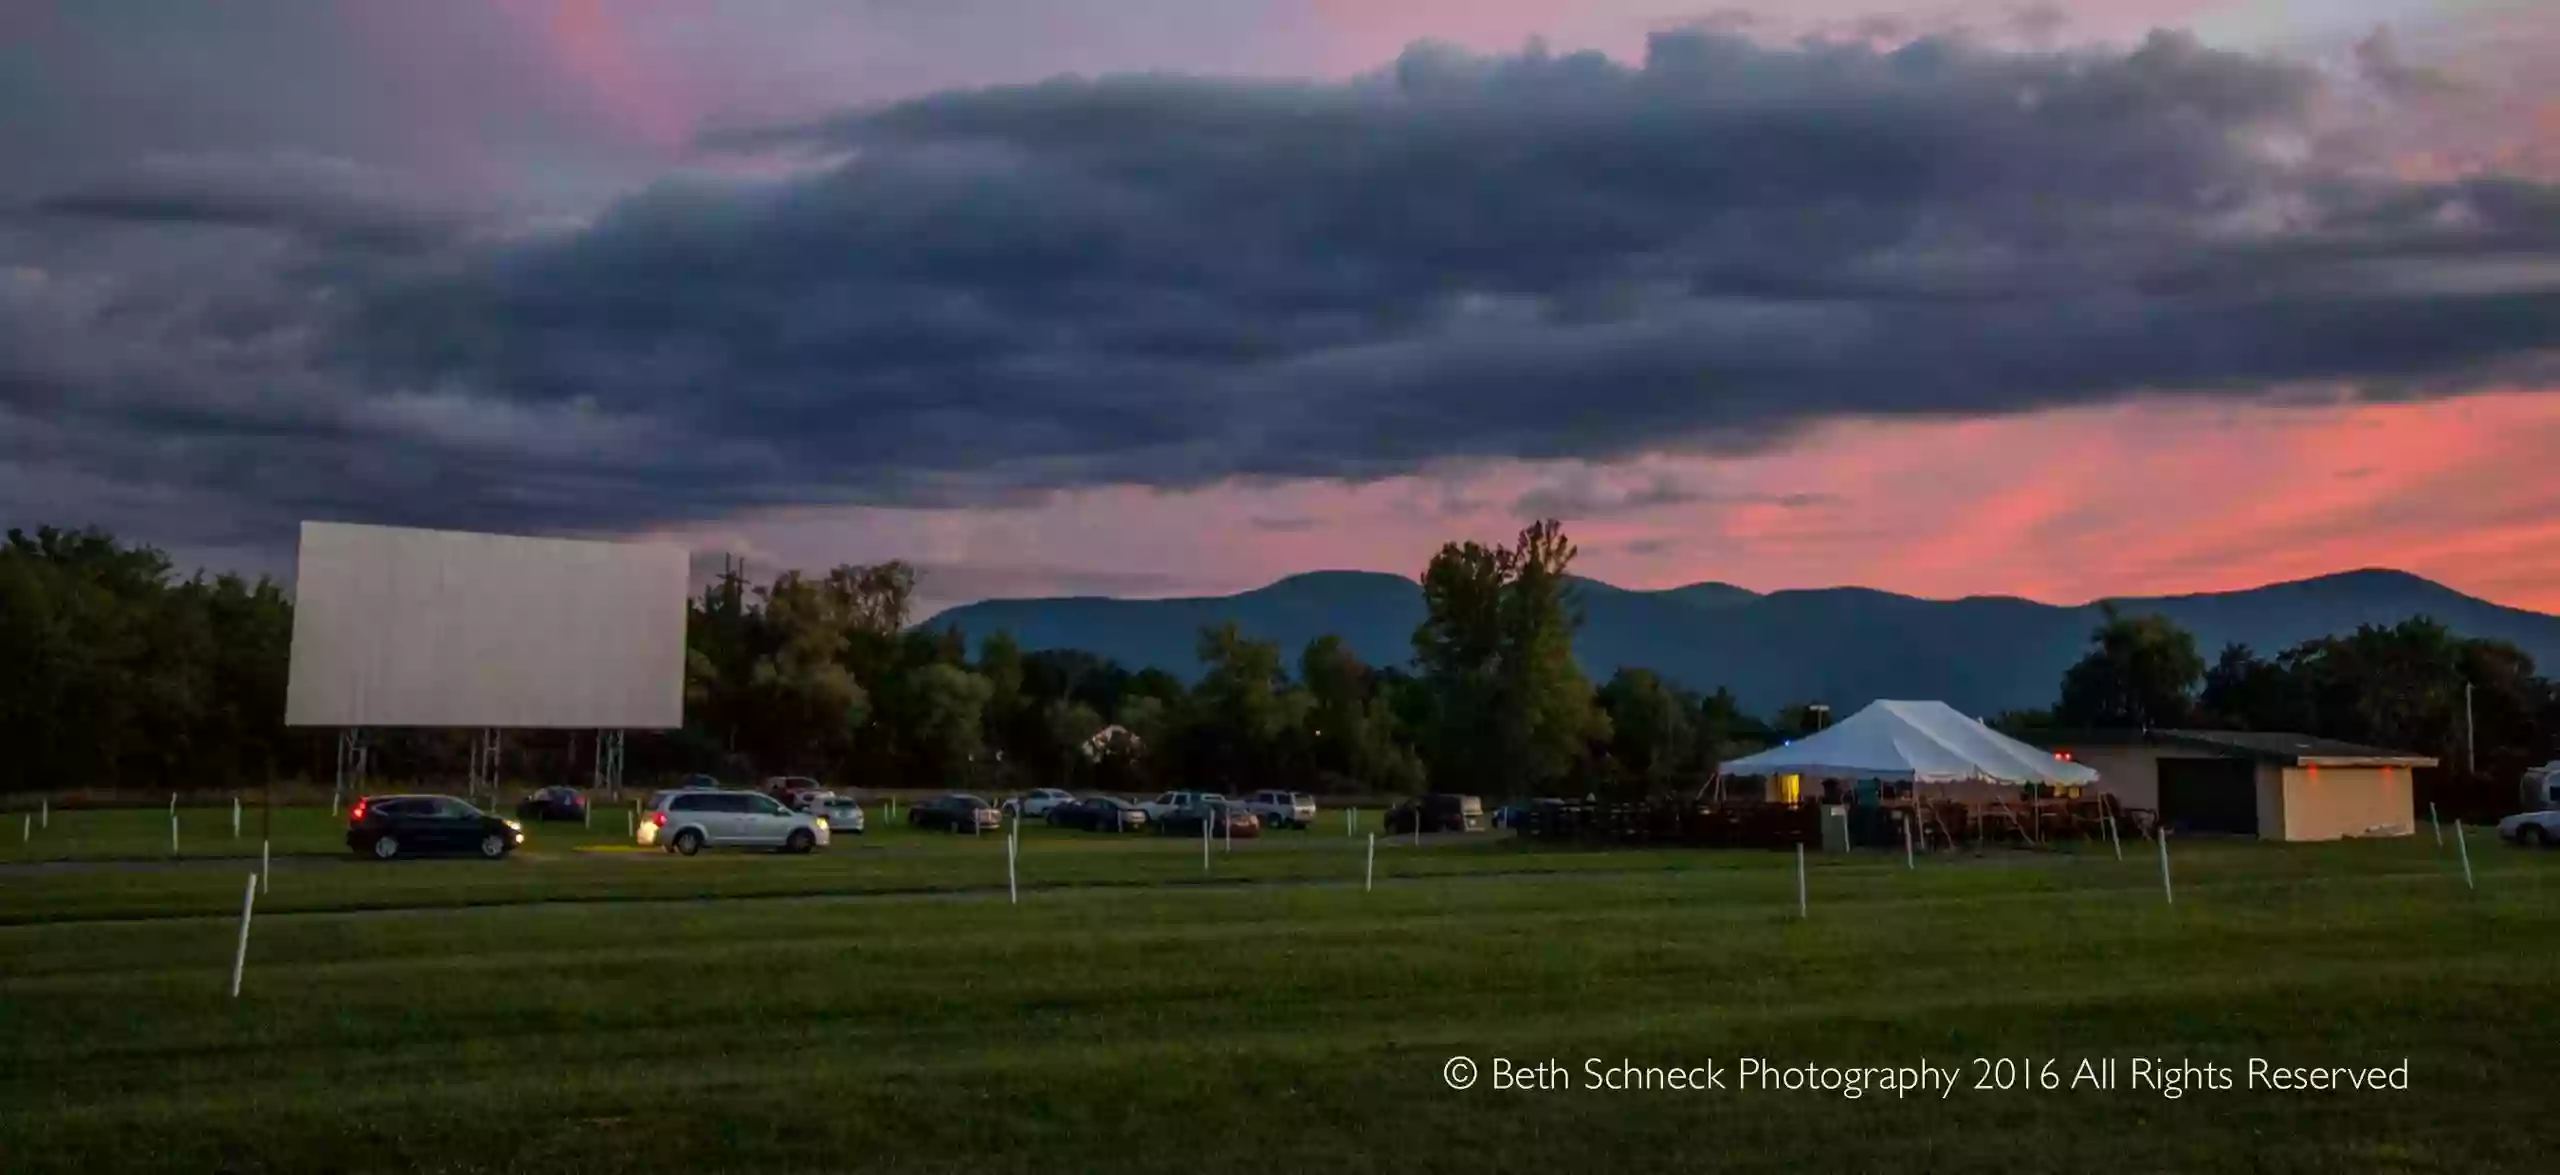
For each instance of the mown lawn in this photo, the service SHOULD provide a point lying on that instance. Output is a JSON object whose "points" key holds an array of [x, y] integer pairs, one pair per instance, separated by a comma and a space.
{"points": [[558, 1013]]}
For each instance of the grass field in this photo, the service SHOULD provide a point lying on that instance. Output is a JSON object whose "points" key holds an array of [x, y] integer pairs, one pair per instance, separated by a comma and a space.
{"points": [[883, 1007]]}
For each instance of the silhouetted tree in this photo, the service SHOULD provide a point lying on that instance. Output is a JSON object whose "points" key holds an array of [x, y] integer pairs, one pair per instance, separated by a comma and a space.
{"points": [[2140, 675]]}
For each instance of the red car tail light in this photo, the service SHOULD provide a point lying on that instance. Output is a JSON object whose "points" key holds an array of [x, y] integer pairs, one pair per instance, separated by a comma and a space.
{"points": [[658, 818], [356, 813]]}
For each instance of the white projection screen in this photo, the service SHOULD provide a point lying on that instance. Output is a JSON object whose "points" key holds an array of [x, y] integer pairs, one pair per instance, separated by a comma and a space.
{"points": [[401, 627]]}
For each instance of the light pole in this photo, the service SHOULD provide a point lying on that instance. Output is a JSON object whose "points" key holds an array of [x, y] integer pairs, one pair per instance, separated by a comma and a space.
{"points": [[1821, 715], [2470, 744]]}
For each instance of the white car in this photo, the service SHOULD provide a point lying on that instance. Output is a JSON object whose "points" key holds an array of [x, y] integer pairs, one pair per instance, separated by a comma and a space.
{"points": [[843, 812], [688, 822], [1035, 804], [1283, 809], [2533, 830], [2541, 787], [1177, 801]]}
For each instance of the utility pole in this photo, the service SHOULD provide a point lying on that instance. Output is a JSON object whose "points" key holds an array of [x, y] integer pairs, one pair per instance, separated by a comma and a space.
{"points": [[2470, 744]]}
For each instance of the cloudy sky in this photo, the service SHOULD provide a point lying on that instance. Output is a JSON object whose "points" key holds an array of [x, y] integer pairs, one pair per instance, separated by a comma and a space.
{"points": [[1152, 297]]}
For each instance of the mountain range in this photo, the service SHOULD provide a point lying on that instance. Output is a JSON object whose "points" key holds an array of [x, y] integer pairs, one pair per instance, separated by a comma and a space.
{"points": [[1842, 646]]}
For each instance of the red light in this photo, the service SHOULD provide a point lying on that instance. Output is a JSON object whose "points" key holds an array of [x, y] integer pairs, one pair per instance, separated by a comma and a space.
{"points": [[658, 818], [357, 812]]}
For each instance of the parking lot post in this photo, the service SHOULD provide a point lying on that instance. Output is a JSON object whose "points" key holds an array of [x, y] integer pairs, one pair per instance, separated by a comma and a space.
{"points": [[240, 957], [2168, 895], [1802, 911]]}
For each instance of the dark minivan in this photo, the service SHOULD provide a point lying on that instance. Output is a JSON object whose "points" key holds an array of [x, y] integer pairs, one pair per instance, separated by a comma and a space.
{"points": [[957, 813], [385, 827], [1439, 812]]}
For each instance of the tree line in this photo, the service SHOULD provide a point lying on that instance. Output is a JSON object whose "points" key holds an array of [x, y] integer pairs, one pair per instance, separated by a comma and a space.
{"points": [[123, 675], [2475, 704], [826, 676]]}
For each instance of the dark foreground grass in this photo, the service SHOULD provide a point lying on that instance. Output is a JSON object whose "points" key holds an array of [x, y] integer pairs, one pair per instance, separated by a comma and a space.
{"points": [[1115, 1022]]}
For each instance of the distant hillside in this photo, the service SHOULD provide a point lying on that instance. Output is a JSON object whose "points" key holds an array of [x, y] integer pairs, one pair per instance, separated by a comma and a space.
{"points": [[1846, 646]]}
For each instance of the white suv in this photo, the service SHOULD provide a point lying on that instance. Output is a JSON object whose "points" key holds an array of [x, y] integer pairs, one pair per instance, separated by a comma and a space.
{"points": [[1178, 801], [1035, 804], [688, 822], [1283, 809]]}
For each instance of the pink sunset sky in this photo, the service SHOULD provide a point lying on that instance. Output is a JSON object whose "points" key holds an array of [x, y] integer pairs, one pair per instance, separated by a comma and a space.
{"points": [[550, 111]]}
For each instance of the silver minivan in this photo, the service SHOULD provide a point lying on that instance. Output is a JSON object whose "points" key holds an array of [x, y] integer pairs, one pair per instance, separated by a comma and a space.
{"points": [[690, 821]]}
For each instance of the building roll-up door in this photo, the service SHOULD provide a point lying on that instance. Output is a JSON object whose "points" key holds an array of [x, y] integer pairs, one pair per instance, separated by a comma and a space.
{"points": [[2209, 795]]}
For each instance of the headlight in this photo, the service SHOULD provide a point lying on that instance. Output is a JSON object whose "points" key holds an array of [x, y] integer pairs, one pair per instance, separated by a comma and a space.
{"points": [[519, 829], [821, 823]]}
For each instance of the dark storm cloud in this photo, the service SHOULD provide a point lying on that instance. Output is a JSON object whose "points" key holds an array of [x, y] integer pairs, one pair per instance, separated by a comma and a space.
{"points": [[1584, 494], [1170, 280], [326, 200]]}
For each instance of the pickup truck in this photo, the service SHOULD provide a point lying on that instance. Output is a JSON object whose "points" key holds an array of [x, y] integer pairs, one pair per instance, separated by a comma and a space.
{"points": [[1282, 809], [1176, 801]]}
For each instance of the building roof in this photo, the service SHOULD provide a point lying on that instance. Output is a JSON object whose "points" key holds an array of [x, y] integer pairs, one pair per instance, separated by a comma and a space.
{"points": [[2291, 750], [2283, 748]]}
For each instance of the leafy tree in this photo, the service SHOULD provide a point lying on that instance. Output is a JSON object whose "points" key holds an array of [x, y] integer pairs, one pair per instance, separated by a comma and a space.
{"points": [[1654, 736], [1069, 724], [2141, 674], [1557, 715], [948, 713], [1725, 732], [1338, 706], [1513, 710], [1352, 732], [1153, 683], [119, 676], [1149, 718], [1230, 732], [805, 695], [2243, 691]]}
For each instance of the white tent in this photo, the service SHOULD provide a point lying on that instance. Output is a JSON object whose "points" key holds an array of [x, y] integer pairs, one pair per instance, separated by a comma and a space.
{"points": [[1924, 742]]}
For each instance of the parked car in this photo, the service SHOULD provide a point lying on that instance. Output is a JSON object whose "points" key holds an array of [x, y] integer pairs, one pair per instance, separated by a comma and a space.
{"points": [[1099, 814], [2533, 830], [1175, 801], [384, 827], [553, 803], [1439, 812], [1519, 812], [1188, 821], [957, 813], [843, 812], [688, 821], [798, 793], [1282, 809], [1040, 801], [2541, 787], [788, 788]]}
